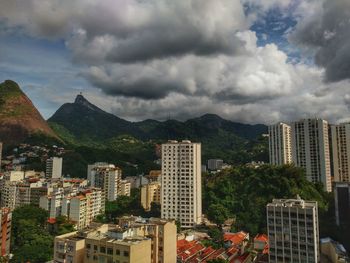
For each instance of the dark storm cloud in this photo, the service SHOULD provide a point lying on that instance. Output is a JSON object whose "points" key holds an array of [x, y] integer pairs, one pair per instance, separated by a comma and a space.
{"points": [[328, 33]]}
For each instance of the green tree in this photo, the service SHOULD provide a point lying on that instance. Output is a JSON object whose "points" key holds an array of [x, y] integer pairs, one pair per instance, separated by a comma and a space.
{"points": [[30, 239]]}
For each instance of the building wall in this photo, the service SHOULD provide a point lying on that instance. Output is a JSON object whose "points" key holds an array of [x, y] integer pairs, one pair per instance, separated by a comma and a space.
{"points": [[69, 250], [310, 150], [136, 252], [181, 196], [280, 151], [340, 151], [108, 178], [54, 167], [342, 203], [293, 231], [150, 193]]}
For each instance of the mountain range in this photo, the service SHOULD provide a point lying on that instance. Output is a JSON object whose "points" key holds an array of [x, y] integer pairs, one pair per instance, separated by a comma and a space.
{"points": [[81, 120], [81, 123]]}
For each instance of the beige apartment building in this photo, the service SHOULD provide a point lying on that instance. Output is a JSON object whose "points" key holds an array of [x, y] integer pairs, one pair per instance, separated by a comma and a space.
{"points": [[81, 206], [340, 151], [150, 193], [280, 148], [150, 241], [109, 178], [310, 150], [293, 231], [181, 191]]}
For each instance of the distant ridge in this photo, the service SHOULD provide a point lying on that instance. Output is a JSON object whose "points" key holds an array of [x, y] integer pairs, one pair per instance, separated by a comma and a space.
{"points": [[19, 119], [82, 119]]}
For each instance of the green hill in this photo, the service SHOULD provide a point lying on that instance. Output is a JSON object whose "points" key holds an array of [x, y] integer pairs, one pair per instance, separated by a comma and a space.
{"points": [[82, 123], [19, 119]]}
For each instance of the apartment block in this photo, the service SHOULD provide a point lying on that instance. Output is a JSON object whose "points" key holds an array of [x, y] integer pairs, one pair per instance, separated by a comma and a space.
{"points": [[80, 206], [150, 193], [215, 164], [280, 148], [340, 151], [83, 208], [109, 178], [154, 176], [181, 197], [342, 203], [54, 167], [293, 231], [310, 150], [125, 188], [134, 240], [5, 233]]}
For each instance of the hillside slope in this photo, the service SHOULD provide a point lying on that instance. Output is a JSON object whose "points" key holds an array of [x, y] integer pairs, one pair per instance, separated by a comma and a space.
{"points": [[19, 119]]}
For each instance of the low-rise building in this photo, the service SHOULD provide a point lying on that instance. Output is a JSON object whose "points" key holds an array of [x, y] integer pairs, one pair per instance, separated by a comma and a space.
{"points": [[134, 240], [80, 206], [333, 251]]}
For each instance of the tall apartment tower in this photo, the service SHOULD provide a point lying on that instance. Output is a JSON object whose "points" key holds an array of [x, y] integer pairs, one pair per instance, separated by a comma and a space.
{"points": [[292, 226], [310, 150], [5, 233], [54, 167], [181, 192], [280, 144], [107, 177], [342, 203], [340, 151]]}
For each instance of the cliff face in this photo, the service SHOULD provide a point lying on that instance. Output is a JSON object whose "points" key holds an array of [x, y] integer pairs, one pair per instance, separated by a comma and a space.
{"points": [[19, 118]]}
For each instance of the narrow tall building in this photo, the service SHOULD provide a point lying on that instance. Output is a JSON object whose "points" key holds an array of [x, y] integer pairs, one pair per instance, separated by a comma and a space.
{"points": [[5, 233], [181, 192], [342, 203], [54, 167], [280, 151], [310, 150], [293, 231], [340, 151]]}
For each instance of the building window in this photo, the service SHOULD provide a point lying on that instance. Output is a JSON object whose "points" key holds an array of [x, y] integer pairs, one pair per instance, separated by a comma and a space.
{"points": [[102, 249], [117, 252], [126, 253], [110, 251]]}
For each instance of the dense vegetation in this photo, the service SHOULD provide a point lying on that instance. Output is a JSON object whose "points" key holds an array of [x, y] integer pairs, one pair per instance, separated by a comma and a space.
{"points": [[31, 239], [243, 192]]}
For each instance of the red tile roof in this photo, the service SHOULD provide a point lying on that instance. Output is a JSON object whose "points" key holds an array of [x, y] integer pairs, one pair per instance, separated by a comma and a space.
{"points": [[51, 220], [235, 238], [262, 238]]}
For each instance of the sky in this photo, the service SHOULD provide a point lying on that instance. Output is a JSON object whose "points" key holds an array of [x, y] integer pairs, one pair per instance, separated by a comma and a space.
{"points": [[246, 60]]}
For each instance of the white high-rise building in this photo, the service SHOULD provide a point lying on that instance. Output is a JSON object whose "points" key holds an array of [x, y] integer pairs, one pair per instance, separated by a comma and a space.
{"points": [[310, 150], [54, 167], [340, 151], [181, 195], [109, 178], [280, 150], [293, 231]]}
